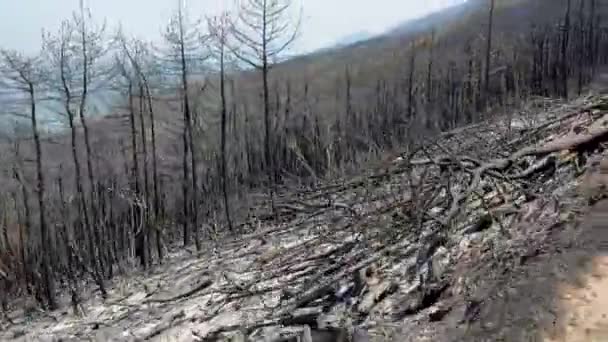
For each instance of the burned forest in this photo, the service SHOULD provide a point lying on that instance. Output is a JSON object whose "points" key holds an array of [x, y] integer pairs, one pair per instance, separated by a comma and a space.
{"points": [[441, 181]]}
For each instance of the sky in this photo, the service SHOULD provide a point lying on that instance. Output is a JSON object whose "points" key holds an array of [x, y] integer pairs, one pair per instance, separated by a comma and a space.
{"points": [[325, 22]]}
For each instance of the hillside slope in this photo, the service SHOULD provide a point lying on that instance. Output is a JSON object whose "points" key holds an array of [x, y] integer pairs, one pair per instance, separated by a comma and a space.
{"points": [[475, 188], [454, 242]]}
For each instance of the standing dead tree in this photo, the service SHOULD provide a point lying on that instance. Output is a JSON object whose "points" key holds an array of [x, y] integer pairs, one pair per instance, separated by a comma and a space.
{"points": [[565, 67], [219, 29], [185, 57], [429, 74], [140, 59], [489, 49], [23, 75], [140, 235], [263, 32], [89, 47], [63, 84], [411, 82], [28, 254]]}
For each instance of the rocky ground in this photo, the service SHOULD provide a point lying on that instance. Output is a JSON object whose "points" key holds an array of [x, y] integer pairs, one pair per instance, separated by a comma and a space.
{"points": [[490, 232]]}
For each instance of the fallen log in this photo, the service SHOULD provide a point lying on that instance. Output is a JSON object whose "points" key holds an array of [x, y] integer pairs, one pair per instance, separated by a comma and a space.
{"points": [[314, 292], [203, 285], [571, 142]]}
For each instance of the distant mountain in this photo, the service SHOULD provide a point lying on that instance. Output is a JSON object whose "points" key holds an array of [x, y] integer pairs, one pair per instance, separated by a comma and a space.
{"points": [[353, 38], [456, 9], [452, 11], [344, 42]]}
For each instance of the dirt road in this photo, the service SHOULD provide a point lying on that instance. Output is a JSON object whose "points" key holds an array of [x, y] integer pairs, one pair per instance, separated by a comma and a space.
{"points": [[584, 302]]}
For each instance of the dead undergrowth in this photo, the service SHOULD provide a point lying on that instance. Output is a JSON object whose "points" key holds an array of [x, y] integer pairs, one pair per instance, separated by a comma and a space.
{"points": [[423, 248]]}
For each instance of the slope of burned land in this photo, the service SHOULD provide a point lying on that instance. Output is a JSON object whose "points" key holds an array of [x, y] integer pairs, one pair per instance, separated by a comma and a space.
{"points": [[474, 235]]}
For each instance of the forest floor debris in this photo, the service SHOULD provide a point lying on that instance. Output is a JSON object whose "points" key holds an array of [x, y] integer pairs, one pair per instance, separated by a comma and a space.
{"points": [[475, 235]]}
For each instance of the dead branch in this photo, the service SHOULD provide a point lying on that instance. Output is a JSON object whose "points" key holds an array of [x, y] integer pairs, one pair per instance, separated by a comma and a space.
{"points": [[314, 292], [203, 285], [540, 166]]}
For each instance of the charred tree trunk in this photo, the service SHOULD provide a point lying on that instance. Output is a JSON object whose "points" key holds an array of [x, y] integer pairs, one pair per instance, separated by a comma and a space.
{"points": [[564, 51], [266, 94], [155, 181], [47, 272], [581, 53], [24, 233], [188, 144], [223, 141], [23, 252], [68, 241], [146, 193], [82, 203], [86, 61], [429, 72], [410, 86], [489, 51], [185, 188], [592, 48], [137, 205]]}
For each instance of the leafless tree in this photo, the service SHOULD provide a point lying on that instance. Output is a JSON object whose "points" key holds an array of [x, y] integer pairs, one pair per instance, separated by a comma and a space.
{"points": [[565, 72], [23, 74], [265, 29], [429, 74], [63, 81], [129, 84], [140, 58], [27, 254], [183, 38], [90, 46], [489, 49], [411, 82], [219, 28]]}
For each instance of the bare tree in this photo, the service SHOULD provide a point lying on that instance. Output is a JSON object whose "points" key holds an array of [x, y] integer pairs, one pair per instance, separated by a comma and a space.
{"points": [[581, 53], [141, 235], [23, 75], [429, 73], [564, 50], [591, 31], [411, 83], [146, 193], [139, 57], [489, 49], [24, 234], [263, 32], [219, 29], [90, 47], [62, 79], [182, 36]]}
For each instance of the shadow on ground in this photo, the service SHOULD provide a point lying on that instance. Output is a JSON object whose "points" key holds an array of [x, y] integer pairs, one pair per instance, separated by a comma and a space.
{"points": [[561, 294]]}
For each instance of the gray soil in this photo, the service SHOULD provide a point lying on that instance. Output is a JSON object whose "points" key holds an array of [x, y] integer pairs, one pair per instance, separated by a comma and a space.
{"points": [[527, 302], [534, 271]]}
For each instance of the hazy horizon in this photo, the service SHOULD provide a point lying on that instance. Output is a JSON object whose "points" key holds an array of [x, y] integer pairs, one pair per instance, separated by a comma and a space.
{"points": [[324, 22]]}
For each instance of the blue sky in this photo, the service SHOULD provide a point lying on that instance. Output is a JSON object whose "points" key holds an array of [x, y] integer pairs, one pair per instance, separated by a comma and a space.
{"points": [[325, 21]]}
